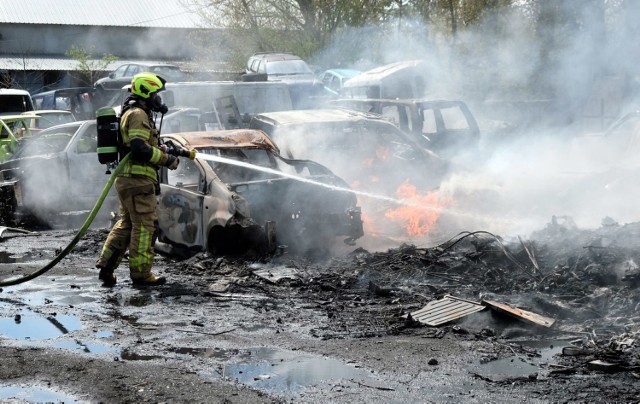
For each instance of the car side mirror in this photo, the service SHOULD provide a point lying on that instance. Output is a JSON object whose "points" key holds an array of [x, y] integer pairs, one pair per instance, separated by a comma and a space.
{"points": [[112, 75]]}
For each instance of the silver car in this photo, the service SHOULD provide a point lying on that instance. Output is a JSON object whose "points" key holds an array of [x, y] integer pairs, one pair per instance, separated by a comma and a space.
{"points": [[239, 195]]}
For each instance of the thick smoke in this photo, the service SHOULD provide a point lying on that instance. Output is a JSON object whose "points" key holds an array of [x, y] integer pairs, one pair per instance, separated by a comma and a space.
{"points": [[545, 83]]}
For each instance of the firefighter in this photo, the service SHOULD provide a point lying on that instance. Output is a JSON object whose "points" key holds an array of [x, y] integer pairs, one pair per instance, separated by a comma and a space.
{"points": [[137, 185]]}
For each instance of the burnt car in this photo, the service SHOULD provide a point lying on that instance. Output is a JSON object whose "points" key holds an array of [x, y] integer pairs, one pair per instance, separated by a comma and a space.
{"points": [[363, 148], [445, 126], [240, 195], [52, 173]]}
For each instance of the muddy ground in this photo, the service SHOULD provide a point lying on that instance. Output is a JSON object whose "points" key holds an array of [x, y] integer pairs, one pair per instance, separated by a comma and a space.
{"points": [[334, 328]]}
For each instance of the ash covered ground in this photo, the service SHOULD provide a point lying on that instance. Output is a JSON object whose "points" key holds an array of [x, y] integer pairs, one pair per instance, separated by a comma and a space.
{"points": [[332, 328]]}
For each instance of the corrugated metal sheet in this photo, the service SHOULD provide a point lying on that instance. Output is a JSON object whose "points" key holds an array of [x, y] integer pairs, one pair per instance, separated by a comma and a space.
{"points": [[126, 13], [447, 309], [12, 62]]}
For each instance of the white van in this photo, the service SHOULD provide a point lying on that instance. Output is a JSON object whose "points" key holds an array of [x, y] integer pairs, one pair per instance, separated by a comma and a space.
{"points": [[408, 79], [14, 101]]}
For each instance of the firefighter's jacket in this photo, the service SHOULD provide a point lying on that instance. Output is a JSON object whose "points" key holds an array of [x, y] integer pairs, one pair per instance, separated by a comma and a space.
{"points": [[136, 123]]}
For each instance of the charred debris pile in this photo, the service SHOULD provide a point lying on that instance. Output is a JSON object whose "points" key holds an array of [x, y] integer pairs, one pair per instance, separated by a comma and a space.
{"points": [[585, 280]]}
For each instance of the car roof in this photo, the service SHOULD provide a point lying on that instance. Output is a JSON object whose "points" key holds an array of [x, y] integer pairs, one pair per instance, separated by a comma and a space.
{"points": [[64, 91], [273, 56], [152, 64], [345, 73], [383, 72], [48, 111], [232, 138], [17, 117], [395, 101], [319, 115], [13, 91]]}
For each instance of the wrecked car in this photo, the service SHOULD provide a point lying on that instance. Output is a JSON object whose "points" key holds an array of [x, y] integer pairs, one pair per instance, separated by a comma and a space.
{"points": [[445, 126], [214, 205], [52, 173], [13, 129], [333, 80], [405, 79], [215, 105], [364, 149], [47, 118]]}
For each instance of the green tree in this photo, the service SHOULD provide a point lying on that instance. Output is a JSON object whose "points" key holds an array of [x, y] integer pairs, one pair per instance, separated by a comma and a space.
{"points": [[302, 27], [89, 69]]}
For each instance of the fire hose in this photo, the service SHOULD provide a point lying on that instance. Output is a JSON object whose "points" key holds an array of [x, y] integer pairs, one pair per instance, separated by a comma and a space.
{"points": [[81, 232]]}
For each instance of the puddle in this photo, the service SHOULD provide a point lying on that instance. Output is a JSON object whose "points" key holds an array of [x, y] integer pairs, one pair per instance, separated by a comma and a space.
{"points": [[104, 334], [523, 365], [33, 394], [32, 326], [279, 371], [212, 352], [12, 258], [59, 291], [81, 346]]}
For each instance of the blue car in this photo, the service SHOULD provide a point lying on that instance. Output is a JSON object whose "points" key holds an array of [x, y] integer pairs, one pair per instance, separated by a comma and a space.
{"points": [[333, 79]]}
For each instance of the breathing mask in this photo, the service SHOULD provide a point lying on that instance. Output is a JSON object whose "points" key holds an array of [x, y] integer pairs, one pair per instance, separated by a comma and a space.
{"points": [[157, 105]]}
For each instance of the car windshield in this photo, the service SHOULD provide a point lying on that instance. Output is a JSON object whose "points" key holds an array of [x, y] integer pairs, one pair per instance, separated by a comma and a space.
{"points": [[14, 103], [49, 120], [288, 67], [50, 141]]}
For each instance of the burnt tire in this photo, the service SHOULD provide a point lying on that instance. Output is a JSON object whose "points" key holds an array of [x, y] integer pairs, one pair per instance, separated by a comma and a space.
{"points": [[236, 240]]}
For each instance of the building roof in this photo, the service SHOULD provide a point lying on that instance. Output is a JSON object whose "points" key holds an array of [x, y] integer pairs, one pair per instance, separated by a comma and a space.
{"points": [[17, 62], [126, 13]]}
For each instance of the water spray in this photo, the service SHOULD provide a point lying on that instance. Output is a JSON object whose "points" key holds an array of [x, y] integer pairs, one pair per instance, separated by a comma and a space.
{"points": [[396, 201]]}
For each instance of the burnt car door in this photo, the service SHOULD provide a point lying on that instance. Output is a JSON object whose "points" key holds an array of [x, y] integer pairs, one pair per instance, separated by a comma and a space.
{"points": [[181, 204]]}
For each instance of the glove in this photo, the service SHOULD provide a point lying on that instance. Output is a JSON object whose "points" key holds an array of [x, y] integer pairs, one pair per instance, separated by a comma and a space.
{"points": [[172, 162]]}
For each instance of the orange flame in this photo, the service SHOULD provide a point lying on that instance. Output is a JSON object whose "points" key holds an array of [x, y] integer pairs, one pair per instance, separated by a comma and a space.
{"points": [[382, 153], [368, 224], [421, 211]]}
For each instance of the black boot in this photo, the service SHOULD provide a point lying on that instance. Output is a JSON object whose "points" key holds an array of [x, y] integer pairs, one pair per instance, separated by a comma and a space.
{"points": [[106, 276]]}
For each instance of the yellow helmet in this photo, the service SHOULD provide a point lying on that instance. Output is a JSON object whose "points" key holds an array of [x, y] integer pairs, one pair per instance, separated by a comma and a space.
{"points": [[144, 84]]}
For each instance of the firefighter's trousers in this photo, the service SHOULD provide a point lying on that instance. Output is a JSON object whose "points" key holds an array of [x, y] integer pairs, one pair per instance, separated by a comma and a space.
{"points": [[136, 230]]}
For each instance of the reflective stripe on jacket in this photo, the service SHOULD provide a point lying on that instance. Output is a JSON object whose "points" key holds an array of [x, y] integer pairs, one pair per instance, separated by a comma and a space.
{"points": [[135, 123]]}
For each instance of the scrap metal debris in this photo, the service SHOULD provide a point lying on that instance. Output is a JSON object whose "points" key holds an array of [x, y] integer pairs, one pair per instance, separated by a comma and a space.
{"points": [[445, 310], [276, 274], [6, 232]]}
